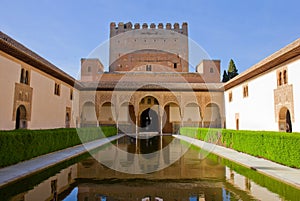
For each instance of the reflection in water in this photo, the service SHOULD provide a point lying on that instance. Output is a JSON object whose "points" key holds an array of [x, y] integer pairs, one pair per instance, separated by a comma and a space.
{"points": [[141, 156], [190, 178]]}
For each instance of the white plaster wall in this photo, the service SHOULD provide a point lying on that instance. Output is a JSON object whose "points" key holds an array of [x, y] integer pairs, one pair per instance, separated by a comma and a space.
{"points": [[256, 112], [294, 79], [48, 109], [10, 72]]}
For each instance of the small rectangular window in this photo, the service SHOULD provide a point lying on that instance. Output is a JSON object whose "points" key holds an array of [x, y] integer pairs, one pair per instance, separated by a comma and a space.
{"points": [[24, 78], [230, 96], [211, 70], [57, 89], [175, 65], [148, 68], [245, 91], [149, 101], [71, 94]]}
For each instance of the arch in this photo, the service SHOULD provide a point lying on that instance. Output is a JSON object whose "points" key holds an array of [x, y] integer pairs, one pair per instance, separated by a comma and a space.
{"points": [[192, 115], [88, 115], [171, 118], [149, 108], [285, 123], [126, 118], [149, 96], [212, 116], [107, 114], [21, 120], [149, 121]]}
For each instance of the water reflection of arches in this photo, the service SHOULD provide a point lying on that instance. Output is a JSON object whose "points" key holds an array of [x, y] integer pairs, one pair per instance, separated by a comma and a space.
{"points": [[285, 123], [88, 114], [21, 121], [212, 116]]}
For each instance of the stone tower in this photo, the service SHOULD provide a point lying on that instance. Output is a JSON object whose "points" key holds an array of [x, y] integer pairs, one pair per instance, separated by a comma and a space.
{"points": [[91, 69], [148, 48]]}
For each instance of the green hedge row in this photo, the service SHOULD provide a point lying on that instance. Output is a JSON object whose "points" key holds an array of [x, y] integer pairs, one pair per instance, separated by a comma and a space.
{"points": [[279, 147], [20, 145]]}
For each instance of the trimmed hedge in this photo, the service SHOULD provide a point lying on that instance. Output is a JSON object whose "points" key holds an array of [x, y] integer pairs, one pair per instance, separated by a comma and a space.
{"points": [[283, 148], [20, 145]]}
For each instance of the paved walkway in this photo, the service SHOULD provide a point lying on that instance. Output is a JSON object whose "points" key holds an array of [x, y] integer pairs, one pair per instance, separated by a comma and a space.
{"points": [[23, 169], [280, 172]]}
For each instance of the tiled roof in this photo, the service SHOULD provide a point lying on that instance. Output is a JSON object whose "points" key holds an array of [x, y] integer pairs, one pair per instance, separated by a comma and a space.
{"points": [[286, 53], [151, 81], [19, 51]]}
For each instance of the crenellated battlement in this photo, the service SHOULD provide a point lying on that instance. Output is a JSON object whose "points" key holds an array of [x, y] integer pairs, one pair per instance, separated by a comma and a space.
{"points": [[123, 27]]}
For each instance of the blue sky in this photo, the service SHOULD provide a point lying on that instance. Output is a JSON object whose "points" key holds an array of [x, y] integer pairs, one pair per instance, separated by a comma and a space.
{"points": [[65, 31]]}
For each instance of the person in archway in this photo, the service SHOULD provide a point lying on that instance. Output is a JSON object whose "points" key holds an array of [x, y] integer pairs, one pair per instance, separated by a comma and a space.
{"points": [[288, 128]]}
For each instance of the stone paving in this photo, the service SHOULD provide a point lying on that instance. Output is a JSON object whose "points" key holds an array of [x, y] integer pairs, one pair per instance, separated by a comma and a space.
{"points": [[20, 170], [280, 172]]}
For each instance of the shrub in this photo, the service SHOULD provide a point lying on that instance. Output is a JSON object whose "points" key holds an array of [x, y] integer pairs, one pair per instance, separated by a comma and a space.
{"points": [[20, 145], [279, 147]]}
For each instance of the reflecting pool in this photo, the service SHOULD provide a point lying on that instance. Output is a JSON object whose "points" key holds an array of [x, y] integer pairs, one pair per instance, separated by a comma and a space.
{"points": [[175, 171]]}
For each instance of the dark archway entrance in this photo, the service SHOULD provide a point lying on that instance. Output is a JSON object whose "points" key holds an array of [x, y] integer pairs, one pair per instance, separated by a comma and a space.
{"points": [[285, 123], [288, 122], [21, 117], [67, 120], [149, 121]]}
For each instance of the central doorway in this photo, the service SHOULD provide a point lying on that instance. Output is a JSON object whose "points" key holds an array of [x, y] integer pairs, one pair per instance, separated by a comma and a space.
{"points": [[149, 121]]}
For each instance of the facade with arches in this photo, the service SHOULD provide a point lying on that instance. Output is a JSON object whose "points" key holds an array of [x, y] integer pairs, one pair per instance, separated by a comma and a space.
{"points": [[157, 111], [265, 97], [149, 87]]}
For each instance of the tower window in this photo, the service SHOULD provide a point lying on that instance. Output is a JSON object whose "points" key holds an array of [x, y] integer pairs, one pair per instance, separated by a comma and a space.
{"points": [[175, 65], [211, 70], [148, 68], [89, 69]]}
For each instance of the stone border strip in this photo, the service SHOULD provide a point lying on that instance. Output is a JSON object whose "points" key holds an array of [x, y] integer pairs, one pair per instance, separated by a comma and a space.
{"points": [[23, 169], [274, 170]]}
